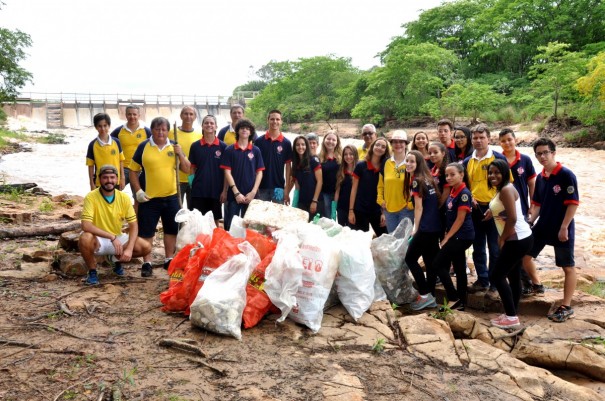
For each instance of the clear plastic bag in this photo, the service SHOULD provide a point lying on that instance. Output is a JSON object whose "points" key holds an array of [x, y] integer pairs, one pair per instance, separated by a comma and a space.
{"points": [[192, 223], [237, 229], [388, 252], [220, 303], [356, 276]]}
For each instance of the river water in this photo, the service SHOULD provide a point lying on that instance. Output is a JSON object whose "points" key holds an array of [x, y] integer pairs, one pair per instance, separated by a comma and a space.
{"points": [[61, 169]]}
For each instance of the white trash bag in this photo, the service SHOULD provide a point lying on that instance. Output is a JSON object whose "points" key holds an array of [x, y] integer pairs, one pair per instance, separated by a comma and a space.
{"points": [[220, 303], [191, 224], [356, 275], [283, 276], [238, 228]]}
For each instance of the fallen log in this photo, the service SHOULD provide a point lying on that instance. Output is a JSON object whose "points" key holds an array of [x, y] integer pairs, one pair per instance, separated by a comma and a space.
{"points": [[38, 231], [17, 187]]}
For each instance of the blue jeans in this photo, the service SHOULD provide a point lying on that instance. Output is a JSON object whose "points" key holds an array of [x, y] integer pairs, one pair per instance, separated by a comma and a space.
{"points": [[326, 211], [232, 208], [485, 231], [266, 195], [394, 218]]}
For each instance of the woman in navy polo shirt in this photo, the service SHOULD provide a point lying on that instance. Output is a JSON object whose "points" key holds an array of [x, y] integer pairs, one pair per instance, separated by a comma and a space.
{"points": [[459, 235], [330, 158], [243, 166], [344, 182], [306, 175], [427, 227], [363, 209]]}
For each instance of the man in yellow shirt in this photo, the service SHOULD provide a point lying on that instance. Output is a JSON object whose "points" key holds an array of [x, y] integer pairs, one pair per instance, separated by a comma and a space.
{"points": [[368, 134], [186, 136], [105, 209]]}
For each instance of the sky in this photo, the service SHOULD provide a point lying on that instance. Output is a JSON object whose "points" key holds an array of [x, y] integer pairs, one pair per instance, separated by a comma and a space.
{"points": [[193, 47]]}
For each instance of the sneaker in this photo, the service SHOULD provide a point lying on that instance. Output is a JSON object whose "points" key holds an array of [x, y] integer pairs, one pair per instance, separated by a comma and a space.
{"points": [[146, 270], [498, 318], [92, 278], [527, 291], [477, 286], [505, 322], [118, 270], [492, 294], [458, 305], [538, 289], [422, 303], [167, 263], [561, 314]]}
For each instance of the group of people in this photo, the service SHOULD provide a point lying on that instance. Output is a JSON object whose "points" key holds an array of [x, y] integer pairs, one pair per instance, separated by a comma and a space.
{"points": [[457, 192]]}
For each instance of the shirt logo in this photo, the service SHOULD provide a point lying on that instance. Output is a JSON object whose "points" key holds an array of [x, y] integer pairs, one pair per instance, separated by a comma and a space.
{"points": [[170, 153], [570, 189], [450, 205], [464, 198], [279, 149], [414, 184], [139, 136], [113, 152], [556, 189], [217, 154], [520, 170], [250, 156]]}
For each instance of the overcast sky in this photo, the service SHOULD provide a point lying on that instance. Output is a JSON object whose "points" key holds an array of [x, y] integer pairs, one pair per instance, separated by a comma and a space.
{"points": [[193, 46]]}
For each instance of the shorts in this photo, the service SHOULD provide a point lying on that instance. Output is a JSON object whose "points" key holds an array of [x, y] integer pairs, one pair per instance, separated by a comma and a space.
{"points": [[151, 211], [206, 205], [106, 246], [563, 253]]}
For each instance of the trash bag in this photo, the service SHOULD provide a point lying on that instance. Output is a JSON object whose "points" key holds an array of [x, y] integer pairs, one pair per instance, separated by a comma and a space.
{"points": [[283, 275], [237, 229], [192, 223], [219, 305], [320, 261], [264, 245], [356, 275], [258, 303], [222, 248], [388, 252], [331, 227]]}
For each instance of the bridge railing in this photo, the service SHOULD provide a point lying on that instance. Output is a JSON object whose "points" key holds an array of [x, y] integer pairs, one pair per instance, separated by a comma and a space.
{"points": [[98, 98]]}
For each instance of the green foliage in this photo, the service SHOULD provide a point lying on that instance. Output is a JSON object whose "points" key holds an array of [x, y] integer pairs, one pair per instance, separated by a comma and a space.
{"points": [[592, 85], [443, 312], [597, 289], [378, 346], [12, 76], [555, 72], [46, 206], [54, 138], [307, 89], [7, 137]]}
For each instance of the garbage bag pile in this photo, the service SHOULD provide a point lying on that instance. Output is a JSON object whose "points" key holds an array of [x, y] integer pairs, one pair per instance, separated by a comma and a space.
{"points": [[223, 282]]}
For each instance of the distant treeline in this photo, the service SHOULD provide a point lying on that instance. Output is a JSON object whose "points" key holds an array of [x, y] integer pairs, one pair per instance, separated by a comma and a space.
{"points": [[495, 60]]}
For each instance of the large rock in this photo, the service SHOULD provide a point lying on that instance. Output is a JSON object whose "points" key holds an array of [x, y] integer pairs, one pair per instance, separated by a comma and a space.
{"points": [[72, 265], [465, 325], [69, 240], [28, 271], [570, 346], [35, 255]]}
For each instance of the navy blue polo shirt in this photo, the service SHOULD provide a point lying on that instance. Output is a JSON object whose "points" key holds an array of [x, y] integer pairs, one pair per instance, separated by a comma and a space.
{"points": [[439, 178], [344, 195], [367, 189], [430, 222], [276, 153], [523, 170], [209, 178], [460, 199], [243, 163], [329, 170], [306, 181], [553, 194]]}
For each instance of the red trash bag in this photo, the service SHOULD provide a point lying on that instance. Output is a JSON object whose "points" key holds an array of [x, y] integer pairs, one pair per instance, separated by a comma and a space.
{"points": [[222, 247], [264, 245], [257, 301], [177, 266], [176, 298]]}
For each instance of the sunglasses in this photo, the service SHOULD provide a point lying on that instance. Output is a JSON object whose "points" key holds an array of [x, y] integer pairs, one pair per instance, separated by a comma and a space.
{"points": [[367, 133]]}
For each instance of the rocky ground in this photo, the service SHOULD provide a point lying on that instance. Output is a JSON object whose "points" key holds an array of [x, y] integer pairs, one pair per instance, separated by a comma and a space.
{"points": [[61, 340]]}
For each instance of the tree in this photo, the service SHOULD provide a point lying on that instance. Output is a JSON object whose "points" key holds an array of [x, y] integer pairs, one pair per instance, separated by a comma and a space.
{"points": [[592, 85], [411, 76], [468, 98], [555, 72], [12, 76]]}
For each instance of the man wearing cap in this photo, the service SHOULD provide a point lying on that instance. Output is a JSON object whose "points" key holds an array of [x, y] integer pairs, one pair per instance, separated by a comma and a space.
{"points": [[368, 134], [104, 211]]}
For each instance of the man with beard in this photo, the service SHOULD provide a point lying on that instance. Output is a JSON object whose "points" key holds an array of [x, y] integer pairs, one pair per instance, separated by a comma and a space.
{"points": [[105, 209]]}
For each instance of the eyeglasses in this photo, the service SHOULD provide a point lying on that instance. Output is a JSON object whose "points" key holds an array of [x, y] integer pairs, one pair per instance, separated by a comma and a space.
{"points": [[367, 133], [545, 153]]}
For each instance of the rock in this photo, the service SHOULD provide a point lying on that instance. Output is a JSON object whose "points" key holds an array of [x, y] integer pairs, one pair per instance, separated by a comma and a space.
{"points": [[28, 271], [599, 145], [72, 265], [564, 346], [343, 386], [49, 278], [430, 339], [16, 217], [69, 240], [34, 255], [465, 325]]}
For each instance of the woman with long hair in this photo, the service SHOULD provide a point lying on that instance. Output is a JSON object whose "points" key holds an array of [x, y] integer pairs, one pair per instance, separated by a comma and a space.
{"points": [[344, 183], [306, 175], [330, 158]]}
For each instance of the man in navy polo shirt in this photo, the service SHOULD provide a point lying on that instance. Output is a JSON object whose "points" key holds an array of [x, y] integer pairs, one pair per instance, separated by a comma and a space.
{"points": [[445, 129], [208, 189], [276, 150], [555, 202], [243, 166]]}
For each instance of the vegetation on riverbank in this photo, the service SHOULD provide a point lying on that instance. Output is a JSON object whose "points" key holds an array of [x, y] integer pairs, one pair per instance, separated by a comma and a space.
{"points": [[11, 141], [501, 62]]}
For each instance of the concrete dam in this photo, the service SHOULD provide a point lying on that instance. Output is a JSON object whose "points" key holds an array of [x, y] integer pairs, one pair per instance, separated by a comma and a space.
{"points": [[62, 110]]}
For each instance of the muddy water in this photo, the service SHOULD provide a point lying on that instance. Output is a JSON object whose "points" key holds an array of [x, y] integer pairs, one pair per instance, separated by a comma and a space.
{"points": [[61, 169]]}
